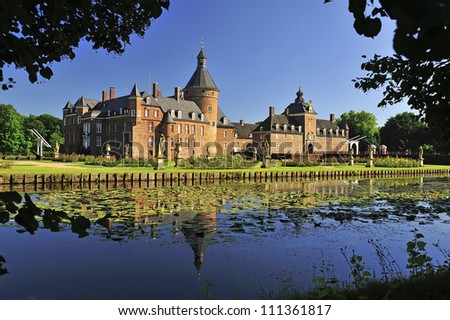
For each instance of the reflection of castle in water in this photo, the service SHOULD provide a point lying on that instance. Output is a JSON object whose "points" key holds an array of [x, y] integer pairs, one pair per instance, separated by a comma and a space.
{"points": [[198, 233]]}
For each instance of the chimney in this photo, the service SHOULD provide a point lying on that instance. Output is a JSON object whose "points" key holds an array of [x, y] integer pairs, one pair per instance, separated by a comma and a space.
{"points": [[332, 117], [177, 93], [104, 95], [155, 90], [241, 122], [271, 111], [112, 93]]}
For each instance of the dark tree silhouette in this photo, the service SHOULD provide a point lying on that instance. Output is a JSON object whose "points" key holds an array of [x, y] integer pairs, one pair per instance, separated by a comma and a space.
{"points": [[34, 34]]}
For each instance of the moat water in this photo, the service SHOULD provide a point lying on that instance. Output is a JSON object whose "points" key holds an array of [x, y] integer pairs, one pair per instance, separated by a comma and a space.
{"points": [[232, 241]]}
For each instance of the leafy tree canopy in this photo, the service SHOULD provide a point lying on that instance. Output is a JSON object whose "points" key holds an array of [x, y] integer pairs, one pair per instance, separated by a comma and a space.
{"points": [[423, 26], [419, 72], [34, 33], [12, 138], [404, 131], [361, 123]]}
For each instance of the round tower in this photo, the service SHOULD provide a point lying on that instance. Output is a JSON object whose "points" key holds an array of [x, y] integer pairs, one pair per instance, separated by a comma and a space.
{"points": [[203, 91]]}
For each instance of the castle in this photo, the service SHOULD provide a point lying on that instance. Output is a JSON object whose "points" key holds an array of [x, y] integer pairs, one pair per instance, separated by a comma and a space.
{"points": [[141, 125]]}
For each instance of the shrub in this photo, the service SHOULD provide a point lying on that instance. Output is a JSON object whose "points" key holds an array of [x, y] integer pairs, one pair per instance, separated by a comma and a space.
{"points": [[6, 164], [226, 162], [396, 162]]}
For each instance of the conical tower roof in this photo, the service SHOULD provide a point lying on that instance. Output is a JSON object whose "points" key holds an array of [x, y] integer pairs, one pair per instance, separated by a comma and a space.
{"points": [[201, 77]]}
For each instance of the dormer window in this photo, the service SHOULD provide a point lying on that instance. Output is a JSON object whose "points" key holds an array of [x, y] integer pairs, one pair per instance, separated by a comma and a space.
{"points": [[202, 117], [147, 100], [318, 130], [109, 113], [172, 113], [292, 128], [250, 135], [193, 115], [180, 114], [225, 120], [120, 111], [277, 126], [285, 127], [299, 128]]}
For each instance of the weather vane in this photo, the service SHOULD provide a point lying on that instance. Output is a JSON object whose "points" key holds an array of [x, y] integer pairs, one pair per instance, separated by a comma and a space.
{"points": [[202, 44]]}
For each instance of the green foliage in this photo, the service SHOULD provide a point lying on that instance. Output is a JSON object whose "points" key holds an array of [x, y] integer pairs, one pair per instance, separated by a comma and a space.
{"points": [[361, 123], [34, 34], [422, 27], [419, 263], [6, 164], [12, 137], [404, 131], [389, 162], [226, 162]]}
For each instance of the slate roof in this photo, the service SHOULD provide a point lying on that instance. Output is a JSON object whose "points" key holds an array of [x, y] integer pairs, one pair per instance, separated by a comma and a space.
{"points": [[326, 124], [221, 120], [270, 124], [201, 77], [243, 130], [299, 105], [86, 102]]}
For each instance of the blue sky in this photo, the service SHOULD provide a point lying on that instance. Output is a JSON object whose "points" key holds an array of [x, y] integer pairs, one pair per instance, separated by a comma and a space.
{"points": [[259, 51]]}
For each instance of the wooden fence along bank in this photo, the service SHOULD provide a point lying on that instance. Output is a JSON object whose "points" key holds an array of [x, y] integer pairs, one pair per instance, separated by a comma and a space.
{"points": [[194, 178]]}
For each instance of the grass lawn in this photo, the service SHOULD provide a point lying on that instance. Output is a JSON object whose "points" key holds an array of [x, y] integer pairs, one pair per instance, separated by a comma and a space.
{"points": [[51, 167]]}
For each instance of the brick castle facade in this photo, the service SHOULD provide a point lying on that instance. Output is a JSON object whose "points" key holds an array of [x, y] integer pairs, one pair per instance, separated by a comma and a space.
{"points": [[192, 123]]}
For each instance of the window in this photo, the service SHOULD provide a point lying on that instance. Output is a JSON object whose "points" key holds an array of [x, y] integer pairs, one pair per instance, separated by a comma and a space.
{"points": [[309, 122], [146, 113], [171, 128], [98, 141], [180, 114], [276, 135], [98, 127], [150, 141], [171, 142], [186, 129], [225, 133], [120, 111], [78, 119], [138, 113], [202, 131], [202, 117], [225, 145], [109, 113], [155, 113], [192, 129], [225, 120], [213, 123], [65, 121], [209, 108], [133, 113], [187, 142], [193, 143], [150, 127], [179, 129], [193, 115], [115, 126]]}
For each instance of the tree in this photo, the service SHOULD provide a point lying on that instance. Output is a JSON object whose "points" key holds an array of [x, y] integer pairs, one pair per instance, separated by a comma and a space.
{"points": [[12, 138], [361, 123], [423, 26], [419, 71], [34, 34], [404, 131]]}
